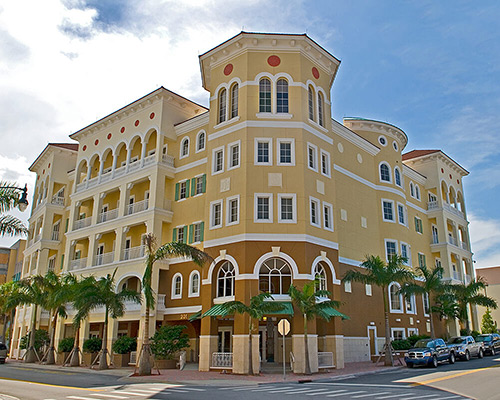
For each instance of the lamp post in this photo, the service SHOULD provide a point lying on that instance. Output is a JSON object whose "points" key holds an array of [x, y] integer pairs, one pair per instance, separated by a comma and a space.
{"points": [[23, 201]]}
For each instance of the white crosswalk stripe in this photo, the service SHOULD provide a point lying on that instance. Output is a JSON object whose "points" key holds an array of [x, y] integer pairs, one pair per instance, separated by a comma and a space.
{"points": [[269, 388], [345, 394], [79, 398], [418, 397], [130, 393], [111, 396], [391, 396], [369, 395]]}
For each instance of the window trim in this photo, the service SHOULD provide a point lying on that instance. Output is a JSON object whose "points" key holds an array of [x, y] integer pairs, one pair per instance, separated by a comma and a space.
{"points": [[271, 81], [201, 225], [214, 151], [190, 291], [228, 210], [222, 105], [405, 218], [319, 212], [292, 196], [232, 102], [401, 300], [255, 207], [401, 182], [278, 151], [398, 330], [419, 223], [315, 148], [184, 140], [330, 207], [230, 154], [278, 79], [413, 302], [408, 251], [212, 204], [269, 141], [321, 154], [199, 149], [385, 247], [426, 295], [173, 295], [393, 220], [380, 172]]}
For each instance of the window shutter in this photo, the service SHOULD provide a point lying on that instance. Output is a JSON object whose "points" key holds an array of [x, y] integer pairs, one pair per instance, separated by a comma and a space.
{"points": [[67, 224], [62, 261], [423, 260], [193, 187], [416, 224], [185, 234], [176, 191], [191, 227], [202, 231], [174, 235], [187, 189], [204, 183]]}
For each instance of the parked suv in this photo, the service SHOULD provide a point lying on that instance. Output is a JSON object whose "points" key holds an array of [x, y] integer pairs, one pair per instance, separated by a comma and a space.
{"points": [[466, 347], [429, 352], [3, 353], [491, 343]]}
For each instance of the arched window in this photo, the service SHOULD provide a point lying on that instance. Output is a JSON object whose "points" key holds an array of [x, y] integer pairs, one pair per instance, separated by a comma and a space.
{"points": [[417, 192], [234, 101], [320, 109], [282, 96], [310, 97], [397, 176], [194, 284], [222, 105], [185, 147], [265, 95], [396, 301], [412, 190], [200, 141], [225, 280], [275, 276], [320, 277], [177, 286], [385, 174]]}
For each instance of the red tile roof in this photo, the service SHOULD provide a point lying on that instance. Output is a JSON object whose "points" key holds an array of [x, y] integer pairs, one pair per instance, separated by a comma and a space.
{"points": [[418, 153]]}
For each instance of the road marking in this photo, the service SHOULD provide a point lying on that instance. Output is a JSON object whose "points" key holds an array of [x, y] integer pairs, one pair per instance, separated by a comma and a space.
{"points": [[145, 391], [109, 395], [249, 388], [238, 387], [79, 398], [443, 378], [390, 396], [174, 391], [420, 397], [188, 388], [369, 394], [273, 388], [131, 393], [320, 393], [48, 384], [343, 394], [360, 384]]}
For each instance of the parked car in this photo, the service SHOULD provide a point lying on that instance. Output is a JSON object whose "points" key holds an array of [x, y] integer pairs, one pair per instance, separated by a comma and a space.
{"points": [[3, 353], [491, 343], [429, 352], [466, 347]]}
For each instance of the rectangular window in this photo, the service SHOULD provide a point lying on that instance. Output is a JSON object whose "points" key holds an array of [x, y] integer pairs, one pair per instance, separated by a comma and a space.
{"points": [[263, 207], [390, 248], [425, 299], [286, 152], [263, 150], [368, 289], [314, 212], [233, 210], [198, 232], [348, 287], [405, 252], [418, 225], [216, 214], [218, 160], [287, 205], [328, 216], [180, 234], [312, 157], [234, 155], [401, 214], [200, 184], [398, 333], [388, 210], [183, 190], [421, 260], [410, 304], [52, 263], [325, 163]]}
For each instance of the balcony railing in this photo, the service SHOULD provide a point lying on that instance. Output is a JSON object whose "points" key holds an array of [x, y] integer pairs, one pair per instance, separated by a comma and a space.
{"points": [[44, 314], [38, 237], [82, 223], [464, 245], [134, 166], [55, 235], [149, 160], [79, 263], [222, 360], [107, 216], [453, 241], [453, 210], [325, 359], [133, 253], [105, 258], [57, 200], [137, 207], [132, 305], [160, 302], [120, 171], [168, 160], [432, 205]]}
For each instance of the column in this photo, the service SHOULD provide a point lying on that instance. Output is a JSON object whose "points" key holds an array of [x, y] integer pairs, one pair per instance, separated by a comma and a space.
{"points": [[119, 244], [143, 151], [298, 344], [208, 342], [123, 200], [96, 207], [91, 250], [101, 168], [129, 151], [89, 173], [113, 168]]}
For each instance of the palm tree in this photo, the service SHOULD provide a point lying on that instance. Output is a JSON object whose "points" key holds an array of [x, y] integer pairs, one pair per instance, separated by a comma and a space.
{"points": [[382, 274], [469, 294], [431, 285], [9, 198], [153, 254], [256, 310], [446, 306], [29, 291], [6, 291], [308, 301], [101, 293]]}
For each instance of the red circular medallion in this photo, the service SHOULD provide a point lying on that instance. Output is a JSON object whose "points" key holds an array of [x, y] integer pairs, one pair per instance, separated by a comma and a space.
{"points": [[274, 61], [84, 147], [151, 116], [458, 181], [122, 130], [109, 136], [228, 69], [451, 177], [136, 123], [442, 170], [96, 142], [315, 72]]}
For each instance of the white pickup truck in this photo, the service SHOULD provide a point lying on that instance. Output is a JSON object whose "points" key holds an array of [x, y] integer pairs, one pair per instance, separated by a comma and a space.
{"points": [[466, 347]]}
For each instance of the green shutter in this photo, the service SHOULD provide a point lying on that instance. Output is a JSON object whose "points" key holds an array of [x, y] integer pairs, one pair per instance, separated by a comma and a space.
{"points": [[62, 261], [185, 234], [416, 224], [174, 235], [423, 260], [204, 183], [191, 228], [202, 231], [193, 187], [176, 191], [67, 224], [187, 189]]}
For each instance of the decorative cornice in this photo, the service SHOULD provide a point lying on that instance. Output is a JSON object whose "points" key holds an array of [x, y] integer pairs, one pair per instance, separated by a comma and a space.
{"points": [[414, 175], [191, 124], [378, 127], [354, 138], [449, 162]]}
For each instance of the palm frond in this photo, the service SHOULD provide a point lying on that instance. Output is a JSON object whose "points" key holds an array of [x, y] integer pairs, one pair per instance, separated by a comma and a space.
{"points": [[12, 226], [8, 197], [179, 249]]}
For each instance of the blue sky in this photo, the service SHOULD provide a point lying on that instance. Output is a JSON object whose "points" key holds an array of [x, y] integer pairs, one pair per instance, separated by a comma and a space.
{"points": [[431, 68]]}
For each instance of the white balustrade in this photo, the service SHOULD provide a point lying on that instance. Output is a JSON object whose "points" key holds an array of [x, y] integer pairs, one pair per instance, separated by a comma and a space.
{"points": [[105, 258], [168, 160], [222, 360], [107, 216], [149, 160], [38, 237], [55, 235], [133, 253], [453, 241], [325, 359], [432, 205], [120, 171], [80, 187], [456, 275], [93, 182], [137, 207], [453, 210], [44, 314], [464, 245], [82, 223], [106, 175], [57, 200], [132, 305], [134, 166], [160, 302], [79, 263]]}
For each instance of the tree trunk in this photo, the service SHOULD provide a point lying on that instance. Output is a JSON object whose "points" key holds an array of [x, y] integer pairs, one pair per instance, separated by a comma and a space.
{"points": [[144, 360], [4, 331], [433, 332], [51, 356], [306, 349], [389, 361], [11, 326], [103, 360], [31, 354], [75, 353], [250, 358]]}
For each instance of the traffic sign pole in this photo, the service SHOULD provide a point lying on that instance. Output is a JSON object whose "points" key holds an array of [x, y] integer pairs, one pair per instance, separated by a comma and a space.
{"points": [[283, 329]]}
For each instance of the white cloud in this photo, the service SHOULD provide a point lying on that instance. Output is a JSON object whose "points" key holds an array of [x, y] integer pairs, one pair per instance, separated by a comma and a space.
{"points": [[485, 240]]}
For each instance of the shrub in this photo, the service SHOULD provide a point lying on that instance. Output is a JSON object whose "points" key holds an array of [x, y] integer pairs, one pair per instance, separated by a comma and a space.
{"points": [[403, 344], [475, 334], [464, 332], [415, 338], [124, 345], [66, 345], [92, 345], [41, 339], [168, 340]]}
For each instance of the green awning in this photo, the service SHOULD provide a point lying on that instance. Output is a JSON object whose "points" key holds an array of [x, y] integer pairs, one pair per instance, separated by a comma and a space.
{"points": [[215, 311], [287, 310], [332, 312], [194, 317]]}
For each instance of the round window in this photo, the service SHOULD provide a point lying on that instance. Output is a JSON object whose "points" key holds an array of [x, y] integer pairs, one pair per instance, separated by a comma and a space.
{"points": [[382, 140], [395, 145]]}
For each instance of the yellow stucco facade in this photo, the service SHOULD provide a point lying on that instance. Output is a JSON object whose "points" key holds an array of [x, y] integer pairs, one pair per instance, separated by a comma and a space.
{"points": [[267, 183]]}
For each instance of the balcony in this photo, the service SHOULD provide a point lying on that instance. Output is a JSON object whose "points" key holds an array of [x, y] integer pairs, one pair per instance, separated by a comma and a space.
{"points": [[222, 360], [57, 200], [132, 305], [55, 235], [464, 245], [160, 302], [82, 223], [107, 216], [432, 205], [453, 241], [105, 258], [453, 210], [137, 207], [133, 253], [79, 263]]}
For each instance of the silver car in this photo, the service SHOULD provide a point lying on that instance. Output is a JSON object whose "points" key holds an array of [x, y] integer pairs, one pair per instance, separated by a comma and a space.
{"points": [[3, 353], [466, 347]]}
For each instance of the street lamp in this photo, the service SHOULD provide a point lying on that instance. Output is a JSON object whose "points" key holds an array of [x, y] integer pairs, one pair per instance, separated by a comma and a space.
{"points": [[23, 201]]}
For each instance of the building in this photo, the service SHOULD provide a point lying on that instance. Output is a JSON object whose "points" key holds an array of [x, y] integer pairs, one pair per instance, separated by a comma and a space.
{"points": [[491, 276], [266, 182]]}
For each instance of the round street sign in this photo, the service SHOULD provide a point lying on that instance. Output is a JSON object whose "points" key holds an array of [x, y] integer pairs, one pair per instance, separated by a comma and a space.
{"points": [[283, 327]]}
